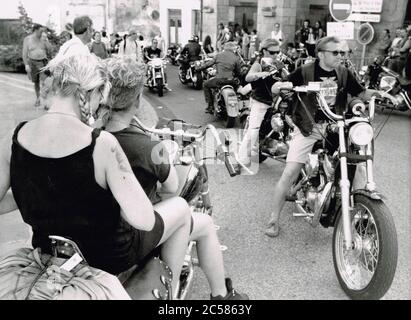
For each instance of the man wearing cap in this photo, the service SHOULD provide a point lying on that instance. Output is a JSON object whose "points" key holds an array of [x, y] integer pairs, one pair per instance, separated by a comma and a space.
{"points": [[129, 46], [228, 66], [35, 57]]}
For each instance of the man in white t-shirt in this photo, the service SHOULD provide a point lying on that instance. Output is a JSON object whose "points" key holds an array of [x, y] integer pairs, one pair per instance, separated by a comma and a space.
{"points": [[83, 32], [277, 34]]}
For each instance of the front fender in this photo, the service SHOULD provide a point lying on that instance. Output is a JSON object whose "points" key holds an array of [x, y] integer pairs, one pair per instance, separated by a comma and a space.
{"points": [[374, 195]]}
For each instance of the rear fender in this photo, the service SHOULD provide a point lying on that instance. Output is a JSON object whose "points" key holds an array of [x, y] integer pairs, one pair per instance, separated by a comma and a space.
{"points": [[230, 100]]}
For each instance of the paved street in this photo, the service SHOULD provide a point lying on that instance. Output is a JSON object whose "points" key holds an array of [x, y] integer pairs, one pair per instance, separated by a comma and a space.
{"points": [[296, 265]]}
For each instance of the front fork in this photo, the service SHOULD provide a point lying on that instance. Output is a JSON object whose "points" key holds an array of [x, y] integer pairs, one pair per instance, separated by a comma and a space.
{"points": [[345, 185], [345, 189]]}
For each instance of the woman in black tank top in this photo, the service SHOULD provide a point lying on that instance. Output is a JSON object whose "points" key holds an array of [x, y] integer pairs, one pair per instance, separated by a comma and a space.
{"points": [[76, 182], [261, 98]]}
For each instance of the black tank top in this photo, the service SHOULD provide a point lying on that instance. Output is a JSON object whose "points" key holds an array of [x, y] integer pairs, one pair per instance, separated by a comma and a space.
{"points": [[262, 90], [60, 196]]}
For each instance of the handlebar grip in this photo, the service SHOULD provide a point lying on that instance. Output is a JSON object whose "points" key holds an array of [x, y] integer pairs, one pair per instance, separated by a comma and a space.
{"points": [[229, 165]]}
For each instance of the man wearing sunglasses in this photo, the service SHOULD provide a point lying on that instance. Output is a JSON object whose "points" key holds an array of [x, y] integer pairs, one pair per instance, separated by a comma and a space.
{"points": [[336, 83], [260, 77]]}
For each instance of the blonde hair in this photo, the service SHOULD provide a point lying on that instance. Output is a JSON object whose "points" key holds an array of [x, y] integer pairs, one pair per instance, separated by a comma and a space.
{"points": [[78, 76], [126, 77]]}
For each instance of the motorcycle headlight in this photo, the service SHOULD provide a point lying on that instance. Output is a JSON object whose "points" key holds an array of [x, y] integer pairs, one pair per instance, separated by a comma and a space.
{"points": [[361, 134], [387, 83], [277, 123]]}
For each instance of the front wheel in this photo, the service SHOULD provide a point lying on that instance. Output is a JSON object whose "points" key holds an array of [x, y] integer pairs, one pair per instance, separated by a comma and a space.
{"points": [[160, 87], [366, 271]]}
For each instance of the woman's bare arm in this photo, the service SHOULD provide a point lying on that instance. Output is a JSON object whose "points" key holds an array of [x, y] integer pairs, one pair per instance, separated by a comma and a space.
{"points": [[7, 203], [136, 208]]}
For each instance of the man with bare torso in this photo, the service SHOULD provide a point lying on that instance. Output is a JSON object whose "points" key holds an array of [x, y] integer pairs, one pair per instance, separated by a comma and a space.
{"points": [[35, 57]]}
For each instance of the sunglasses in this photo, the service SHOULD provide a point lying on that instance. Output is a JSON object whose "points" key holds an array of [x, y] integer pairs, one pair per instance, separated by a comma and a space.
{"points": [[335, 52], [272, 52]]}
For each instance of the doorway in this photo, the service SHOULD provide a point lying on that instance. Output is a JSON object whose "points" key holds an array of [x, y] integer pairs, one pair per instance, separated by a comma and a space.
{"points": [[174, 26]]}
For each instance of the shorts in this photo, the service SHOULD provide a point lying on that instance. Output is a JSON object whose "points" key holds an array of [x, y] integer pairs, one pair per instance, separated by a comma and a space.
{"points": [[301, 146], [149, 240], [36, 72]]}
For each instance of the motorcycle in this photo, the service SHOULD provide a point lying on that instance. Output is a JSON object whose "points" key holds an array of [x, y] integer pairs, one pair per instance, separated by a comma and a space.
{"points": [[275, 130], [193, 174], [156, 75], [172, 53], [364, 246], [395, 91], [192, 75], [369, 75], [276, 127]]}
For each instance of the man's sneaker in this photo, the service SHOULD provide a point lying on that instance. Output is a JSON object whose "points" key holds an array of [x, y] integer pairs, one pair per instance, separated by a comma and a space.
{"points": [[231, 293], [167, 88]]}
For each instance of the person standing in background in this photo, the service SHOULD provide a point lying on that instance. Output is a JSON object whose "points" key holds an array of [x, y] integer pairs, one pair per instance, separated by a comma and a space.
{"points": [[98, 47], [384, 43], [310, 43], [35, 52], [302, 34], [129, 46], [161, 42], [106, 41], [254, 43], [318, 31], [245, 43], [220, 37], [277, 34]]}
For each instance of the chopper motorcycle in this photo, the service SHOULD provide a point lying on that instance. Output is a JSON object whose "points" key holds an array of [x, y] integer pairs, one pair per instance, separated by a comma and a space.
{"points": [[156, 75], [192, 171], [364, 246]]}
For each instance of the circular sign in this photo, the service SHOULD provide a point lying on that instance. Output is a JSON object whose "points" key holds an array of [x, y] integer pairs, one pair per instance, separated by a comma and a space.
{"points": [[340, 9], [365, 34]]}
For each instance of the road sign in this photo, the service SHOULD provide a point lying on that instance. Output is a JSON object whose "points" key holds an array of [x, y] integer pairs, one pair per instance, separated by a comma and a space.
{"points": [[371, 6], [364, 17], [342, 30], [365, 33], [340, 9]]}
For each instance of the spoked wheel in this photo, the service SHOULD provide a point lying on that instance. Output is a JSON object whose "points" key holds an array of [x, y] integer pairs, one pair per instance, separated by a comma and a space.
{"points": [[366, 271]]}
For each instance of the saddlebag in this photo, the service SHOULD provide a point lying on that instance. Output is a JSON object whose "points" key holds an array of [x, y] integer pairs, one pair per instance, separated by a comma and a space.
{"points": [[152, 282]]}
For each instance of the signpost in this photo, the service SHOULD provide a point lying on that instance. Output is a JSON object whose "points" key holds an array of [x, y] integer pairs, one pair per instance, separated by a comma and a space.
{"points": [[340, 9], [365, 35], [342, 30]]}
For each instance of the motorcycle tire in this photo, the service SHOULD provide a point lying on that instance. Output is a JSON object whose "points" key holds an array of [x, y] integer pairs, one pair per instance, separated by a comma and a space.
{"points": [[261, 158], [375, 238], [230, 122], [182, 79], [160, 87], [198, 85]]}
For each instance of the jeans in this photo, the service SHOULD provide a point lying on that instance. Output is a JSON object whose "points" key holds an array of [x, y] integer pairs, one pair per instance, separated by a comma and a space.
{"points": [[250, 139]]}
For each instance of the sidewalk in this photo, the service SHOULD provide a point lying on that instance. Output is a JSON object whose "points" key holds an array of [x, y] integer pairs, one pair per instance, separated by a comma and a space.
{"points": [[16, 89]]}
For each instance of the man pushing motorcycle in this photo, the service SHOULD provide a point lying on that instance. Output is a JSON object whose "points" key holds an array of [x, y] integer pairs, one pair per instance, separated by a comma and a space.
{"points": [[228, 66], [336, 83]]}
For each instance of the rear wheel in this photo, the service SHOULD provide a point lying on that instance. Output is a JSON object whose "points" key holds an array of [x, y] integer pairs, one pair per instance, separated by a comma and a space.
{"points": [[182, 77], [366, 271], [230, 122], [199, 83]]}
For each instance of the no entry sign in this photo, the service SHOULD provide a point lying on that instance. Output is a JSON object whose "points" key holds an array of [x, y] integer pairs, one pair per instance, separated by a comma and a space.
{"points": [[340, 9], [365, 34]]}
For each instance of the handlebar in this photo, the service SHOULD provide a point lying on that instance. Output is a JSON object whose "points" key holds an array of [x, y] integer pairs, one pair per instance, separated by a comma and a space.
{"points": [[221, 148]]}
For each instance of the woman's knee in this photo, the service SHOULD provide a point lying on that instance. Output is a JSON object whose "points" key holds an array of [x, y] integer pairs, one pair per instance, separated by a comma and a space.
{"points": [[182, 209], [203, 225]]}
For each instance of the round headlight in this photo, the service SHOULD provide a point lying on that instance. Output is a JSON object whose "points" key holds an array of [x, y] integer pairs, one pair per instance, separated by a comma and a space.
{"points": [[361, 134], [277, 123]]}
